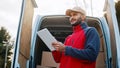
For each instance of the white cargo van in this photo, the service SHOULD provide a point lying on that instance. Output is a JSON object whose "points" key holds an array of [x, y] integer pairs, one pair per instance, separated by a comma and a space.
{"points": [[31, 52]]}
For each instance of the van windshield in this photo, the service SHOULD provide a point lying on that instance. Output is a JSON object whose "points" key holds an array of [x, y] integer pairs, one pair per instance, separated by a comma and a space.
{"points": [[58, 7]]}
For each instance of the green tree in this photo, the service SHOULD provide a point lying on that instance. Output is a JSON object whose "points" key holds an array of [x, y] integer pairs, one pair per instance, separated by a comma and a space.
{"points": [[117, 6], [4, 37]]}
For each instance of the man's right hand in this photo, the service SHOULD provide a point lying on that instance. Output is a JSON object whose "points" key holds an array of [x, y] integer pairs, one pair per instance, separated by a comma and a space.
{"points": [[58, 46]]}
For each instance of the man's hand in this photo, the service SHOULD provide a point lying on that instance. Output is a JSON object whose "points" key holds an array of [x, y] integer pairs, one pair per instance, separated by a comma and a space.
{"points": [[58, 46]]}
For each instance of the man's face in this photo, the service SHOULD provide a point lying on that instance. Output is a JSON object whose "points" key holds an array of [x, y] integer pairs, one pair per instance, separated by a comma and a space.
{"points": [[75, 18]]}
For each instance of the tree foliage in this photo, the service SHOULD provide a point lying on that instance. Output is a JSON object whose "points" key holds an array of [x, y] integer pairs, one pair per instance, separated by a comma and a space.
{"points": [[4, 37], [117, 7]]}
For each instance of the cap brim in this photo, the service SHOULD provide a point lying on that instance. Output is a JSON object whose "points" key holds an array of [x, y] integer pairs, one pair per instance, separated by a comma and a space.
{"points": [[68, 12]]}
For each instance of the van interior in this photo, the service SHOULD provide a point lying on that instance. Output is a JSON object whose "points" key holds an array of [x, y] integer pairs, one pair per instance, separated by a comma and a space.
{"points": [[60, 28]]}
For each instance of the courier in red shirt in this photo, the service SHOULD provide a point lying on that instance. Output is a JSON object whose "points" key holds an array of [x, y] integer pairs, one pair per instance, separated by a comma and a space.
{"points": [[81, 48]]}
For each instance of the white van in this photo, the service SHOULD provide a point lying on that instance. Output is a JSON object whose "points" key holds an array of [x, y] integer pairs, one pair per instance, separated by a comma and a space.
{"points": [[40, 56]]}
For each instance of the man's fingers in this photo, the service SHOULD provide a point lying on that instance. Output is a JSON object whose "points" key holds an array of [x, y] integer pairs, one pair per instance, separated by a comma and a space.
{"points": [[56, 47], [55, 43]]}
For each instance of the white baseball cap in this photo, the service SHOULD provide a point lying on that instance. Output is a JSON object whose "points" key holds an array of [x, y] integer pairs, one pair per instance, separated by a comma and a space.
{"points": [[75, 9]]}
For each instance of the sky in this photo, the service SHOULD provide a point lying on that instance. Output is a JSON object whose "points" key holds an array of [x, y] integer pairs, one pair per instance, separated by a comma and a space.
{"points": [[9, 15], [10, 10], [59, 6]]}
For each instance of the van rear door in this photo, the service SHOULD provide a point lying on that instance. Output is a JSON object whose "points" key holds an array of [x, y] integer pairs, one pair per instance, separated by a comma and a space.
{"points": [[110, 16]]}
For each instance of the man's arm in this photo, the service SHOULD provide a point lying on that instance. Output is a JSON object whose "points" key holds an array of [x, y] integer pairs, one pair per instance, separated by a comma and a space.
{"points": [[57, 56], [91, 50], [58, 52]]}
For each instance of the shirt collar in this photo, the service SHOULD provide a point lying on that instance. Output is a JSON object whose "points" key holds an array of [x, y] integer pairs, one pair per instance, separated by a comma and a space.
{"points": [[79, 27]]}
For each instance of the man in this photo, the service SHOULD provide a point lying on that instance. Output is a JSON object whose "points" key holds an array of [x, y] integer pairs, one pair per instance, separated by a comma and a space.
{"points": [[81, 48]]}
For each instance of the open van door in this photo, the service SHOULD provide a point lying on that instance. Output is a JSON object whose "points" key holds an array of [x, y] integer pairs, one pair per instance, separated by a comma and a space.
{"points": [[22, 43], [114, 32]]}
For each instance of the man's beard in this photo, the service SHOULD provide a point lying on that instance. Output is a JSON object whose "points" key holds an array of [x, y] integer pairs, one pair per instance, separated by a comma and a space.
{"points": [[77, 23]]}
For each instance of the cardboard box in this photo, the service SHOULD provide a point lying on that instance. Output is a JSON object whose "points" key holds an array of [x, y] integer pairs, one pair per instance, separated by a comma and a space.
{"points": [[48, 60], [38, 66]]}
